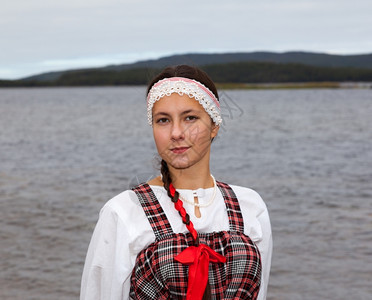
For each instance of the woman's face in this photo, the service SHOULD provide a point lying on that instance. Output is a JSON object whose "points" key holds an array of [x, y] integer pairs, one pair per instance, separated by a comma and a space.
{"points": [[183, 131]]}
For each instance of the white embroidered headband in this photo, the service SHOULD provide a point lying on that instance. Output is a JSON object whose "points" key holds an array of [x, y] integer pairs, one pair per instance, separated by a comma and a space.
{"points": [[184, 86]]}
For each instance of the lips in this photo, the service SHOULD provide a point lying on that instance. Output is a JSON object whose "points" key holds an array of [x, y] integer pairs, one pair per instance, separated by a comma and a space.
{"points": [[179, 150]]}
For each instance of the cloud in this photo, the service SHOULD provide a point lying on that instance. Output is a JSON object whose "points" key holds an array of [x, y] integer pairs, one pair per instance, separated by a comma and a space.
{"points": [[36, 34]]}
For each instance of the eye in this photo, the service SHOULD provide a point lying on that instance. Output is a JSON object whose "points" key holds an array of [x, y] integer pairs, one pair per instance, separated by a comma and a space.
{"points": [[162, 120], [191, 118]]}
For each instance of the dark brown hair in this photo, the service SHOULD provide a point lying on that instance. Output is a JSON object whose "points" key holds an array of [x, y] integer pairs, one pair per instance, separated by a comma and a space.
{"points": [[185, 71], [198, 75]]}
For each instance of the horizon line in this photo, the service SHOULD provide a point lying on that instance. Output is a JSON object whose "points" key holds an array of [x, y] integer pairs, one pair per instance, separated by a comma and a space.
{"points": [[162, 56]]}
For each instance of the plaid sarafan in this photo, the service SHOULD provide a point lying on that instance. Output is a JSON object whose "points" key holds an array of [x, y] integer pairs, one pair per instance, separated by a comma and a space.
{"points": [[157, 275]]}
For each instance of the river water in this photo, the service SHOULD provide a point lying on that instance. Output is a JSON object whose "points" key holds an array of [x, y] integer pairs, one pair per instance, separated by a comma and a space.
{"points": [[65, 151]]}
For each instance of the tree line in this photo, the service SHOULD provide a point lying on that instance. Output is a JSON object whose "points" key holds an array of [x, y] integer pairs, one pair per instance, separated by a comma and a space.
{"points": [[238, 72]]}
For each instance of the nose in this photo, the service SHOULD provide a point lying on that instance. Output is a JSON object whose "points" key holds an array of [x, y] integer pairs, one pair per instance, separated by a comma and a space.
{"points": [[178, 132]]}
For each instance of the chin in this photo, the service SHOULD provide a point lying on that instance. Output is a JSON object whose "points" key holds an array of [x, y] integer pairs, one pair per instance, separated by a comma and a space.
{"points": [[180, 164]]}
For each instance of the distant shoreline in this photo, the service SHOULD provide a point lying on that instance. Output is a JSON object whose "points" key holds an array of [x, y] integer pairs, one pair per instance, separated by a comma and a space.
{"points": [[294, 85], [232, 86], [255, 70]]}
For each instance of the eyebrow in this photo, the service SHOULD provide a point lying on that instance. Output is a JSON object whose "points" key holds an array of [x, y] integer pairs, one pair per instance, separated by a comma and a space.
{"points": [[189, 111], [160, 113]]}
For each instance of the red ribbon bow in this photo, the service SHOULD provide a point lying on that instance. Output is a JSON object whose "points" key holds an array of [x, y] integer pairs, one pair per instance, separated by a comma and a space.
{"points": [[198, 259]]}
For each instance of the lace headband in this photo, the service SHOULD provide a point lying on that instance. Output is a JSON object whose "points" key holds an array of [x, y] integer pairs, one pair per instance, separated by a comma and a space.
{"points": [[184, 86]]}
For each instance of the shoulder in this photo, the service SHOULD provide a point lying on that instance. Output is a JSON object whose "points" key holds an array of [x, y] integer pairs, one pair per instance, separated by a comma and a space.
{"points": [[124, 209], [120, 203], [248, 196], [123, 216], [127, 204], [254, 211]]}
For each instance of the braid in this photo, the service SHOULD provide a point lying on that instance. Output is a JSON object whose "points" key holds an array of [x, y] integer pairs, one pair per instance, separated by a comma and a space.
{"points": [[167, 180]]}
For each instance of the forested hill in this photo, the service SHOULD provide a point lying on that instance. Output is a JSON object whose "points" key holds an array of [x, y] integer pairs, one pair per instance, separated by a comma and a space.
{"points": [[255, 67], [363, 61]]}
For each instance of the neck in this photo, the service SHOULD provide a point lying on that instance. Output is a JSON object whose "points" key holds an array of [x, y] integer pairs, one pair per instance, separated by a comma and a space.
{"points": [[191, 178]]}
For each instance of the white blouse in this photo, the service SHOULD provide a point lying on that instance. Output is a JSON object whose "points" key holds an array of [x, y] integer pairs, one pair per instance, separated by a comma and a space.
{"points": [[123, 230]]}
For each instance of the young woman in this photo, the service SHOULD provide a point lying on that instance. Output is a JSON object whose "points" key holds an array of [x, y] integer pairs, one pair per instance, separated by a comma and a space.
{"points": [[182, 235]]}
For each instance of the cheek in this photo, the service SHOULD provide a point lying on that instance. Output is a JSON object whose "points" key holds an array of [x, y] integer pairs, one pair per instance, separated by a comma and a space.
{"points": [[160, 138], [199, 134]]}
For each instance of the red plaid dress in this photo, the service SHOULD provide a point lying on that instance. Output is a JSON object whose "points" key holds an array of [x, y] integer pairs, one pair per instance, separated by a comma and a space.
{"points": [[156, 275]]}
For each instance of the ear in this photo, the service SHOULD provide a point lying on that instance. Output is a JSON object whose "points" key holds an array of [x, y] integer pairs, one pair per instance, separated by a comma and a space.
{"points": [[215, 129]]}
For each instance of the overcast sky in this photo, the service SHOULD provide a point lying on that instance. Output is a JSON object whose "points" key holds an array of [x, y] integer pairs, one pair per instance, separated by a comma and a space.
{"points": [[39, 35]]}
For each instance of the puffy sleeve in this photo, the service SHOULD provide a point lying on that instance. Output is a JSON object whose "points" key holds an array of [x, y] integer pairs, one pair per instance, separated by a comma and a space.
{"points": [[113, 249], [258, 227], [266, 248]]}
